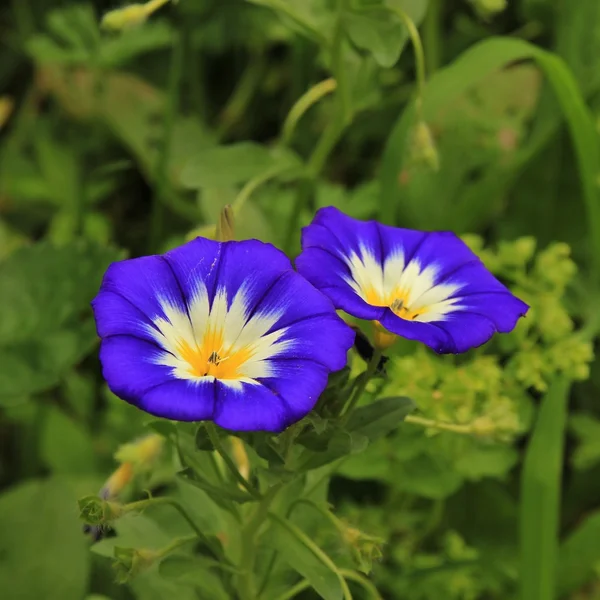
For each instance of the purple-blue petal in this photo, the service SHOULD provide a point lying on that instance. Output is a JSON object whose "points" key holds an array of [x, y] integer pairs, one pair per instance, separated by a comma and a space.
{"points": [[299, 383], [250, 407], [181, 400], [130, 367]]}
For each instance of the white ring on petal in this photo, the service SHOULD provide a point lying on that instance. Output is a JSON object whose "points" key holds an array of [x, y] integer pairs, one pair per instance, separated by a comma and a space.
{"points": [[230, 333], [412, 283]]}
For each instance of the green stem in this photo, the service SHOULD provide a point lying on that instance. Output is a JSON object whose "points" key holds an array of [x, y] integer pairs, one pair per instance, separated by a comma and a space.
{"points": [[176, 543], [301, 106], [462, 428], [339, 526], [304, 539], [294, 591], [364, 380], [214, 438], [242, 95], [362, 581], [432, 35], [419, 56], [303, 196], [246, 586], [252, 185], [161, 195]]}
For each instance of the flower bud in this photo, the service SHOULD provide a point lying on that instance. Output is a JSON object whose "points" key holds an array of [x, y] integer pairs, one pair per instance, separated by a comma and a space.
{"points": [[141, 454], [382, 338], [117, 481], [225, 226], [240, 456], [131, 16], [130, 562], [486, 9], [422, 147], [99, 511], [364, 548]]}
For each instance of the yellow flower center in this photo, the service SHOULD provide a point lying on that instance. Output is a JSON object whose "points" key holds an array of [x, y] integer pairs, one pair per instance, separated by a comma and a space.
{"points": [[397, 302], [212, 358]]}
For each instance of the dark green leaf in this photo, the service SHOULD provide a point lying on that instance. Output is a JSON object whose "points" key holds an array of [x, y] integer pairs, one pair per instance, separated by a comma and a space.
{"points": [[341, 443], [196, 572], [217, 493], [579, 556], [379, 418], [303, 561]]}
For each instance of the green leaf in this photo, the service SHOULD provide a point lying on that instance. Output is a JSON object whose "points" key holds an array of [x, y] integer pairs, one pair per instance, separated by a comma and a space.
{"points": [[587, 430], [379, 32], [195, 572], [340, 443], [43, 553], [229, 165], [45, 316], [34, 366], [66, 446], [45, 287], [217, 492], [302, 560], [579, 556], [380, 418], [540, 496]]}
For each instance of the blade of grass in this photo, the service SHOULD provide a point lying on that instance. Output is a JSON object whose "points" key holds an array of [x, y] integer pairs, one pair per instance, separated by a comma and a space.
{"points": [[540, 496]]}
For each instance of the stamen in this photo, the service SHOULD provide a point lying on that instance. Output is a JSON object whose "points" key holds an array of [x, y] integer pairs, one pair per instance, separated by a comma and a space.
{"points": [[397, 305], [214, 358]]}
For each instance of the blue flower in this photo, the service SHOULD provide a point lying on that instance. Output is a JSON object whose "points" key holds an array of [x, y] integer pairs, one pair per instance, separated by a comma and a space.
{"points": [[226, 332], [425, 286]]}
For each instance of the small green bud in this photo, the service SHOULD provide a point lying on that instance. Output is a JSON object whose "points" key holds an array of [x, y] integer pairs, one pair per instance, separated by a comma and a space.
{"points": [[129, 17], [225, 226], [486, 9], [130, 562], [364, 548], [422, 148], [124, 18], [94, 510]]}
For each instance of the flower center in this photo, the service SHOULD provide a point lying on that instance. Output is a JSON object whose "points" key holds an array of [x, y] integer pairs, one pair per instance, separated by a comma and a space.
{"points": [[400, 309], [397, 301], [210, 359]]}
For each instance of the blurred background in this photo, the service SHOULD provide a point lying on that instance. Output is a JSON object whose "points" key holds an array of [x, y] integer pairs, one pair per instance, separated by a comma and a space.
{"points": [[130, 138]]}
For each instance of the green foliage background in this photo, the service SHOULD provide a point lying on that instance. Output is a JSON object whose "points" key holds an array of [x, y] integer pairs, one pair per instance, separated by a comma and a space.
{"points": [[122, 143]]}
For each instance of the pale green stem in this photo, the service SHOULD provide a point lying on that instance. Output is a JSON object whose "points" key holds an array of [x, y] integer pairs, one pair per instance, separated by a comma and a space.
{"points": [[242, 95], [419, 55], [252, 185], [294, 591], [362, 581], [464, 429], [311, 97]]}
